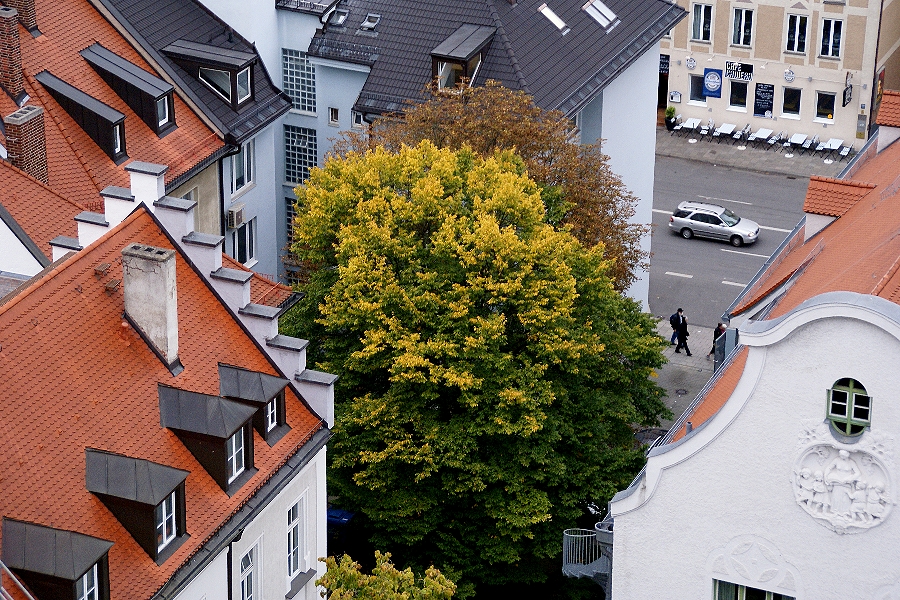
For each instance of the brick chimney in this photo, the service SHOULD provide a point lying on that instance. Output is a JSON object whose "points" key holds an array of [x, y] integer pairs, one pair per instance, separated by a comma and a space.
{"points": [[26, 145], [11, 79], [27, 14], [151, 301]]}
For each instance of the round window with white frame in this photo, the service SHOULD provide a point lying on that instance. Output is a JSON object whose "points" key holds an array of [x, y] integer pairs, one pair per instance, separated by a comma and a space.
{"points": [[849, 407]]}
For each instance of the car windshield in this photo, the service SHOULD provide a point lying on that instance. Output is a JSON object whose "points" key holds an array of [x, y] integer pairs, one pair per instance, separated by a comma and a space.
{"points": [[729, 218]]}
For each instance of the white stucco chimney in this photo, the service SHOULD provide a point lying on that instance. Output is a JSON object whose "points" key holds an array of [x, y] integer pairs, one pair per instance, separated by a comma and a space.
{"points": [[151, 300], [148, 183]]}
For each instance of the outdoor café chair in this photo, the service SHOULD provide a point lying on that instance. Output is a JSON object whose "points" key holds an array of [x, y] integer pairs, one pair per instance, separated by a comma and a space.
{"points": [[710, 125], [739, 135], [810, 144], [775, 139]]}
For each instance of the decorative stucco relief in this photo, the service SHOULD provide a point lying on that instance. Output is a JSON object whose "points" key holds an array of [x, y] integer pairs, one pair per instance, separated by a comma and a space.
{"points": [[845, 487], [755, 562]]}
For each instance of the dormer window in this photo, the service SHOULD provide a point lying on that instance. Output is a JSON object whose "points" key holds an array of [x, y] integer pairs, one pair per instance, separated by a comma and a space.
{"points": [[216, 430], [86, 587], [146, 497], [225, 71], [103, 123], [149, 97], [459, 57], [260, 390], [370, 22]]}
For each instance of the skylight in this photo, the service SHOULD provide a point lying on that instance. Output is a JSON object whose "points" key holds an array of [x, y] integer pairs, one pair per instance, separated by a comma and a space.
{"points": [[371, 21], [602, 14], [554, 18], [338, 17]]}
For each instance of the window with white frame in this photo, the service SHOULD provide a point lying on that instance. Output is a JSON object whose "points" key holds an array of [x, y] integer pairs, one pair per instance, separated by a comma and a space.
{"points": [[724, 590], [248, 574], [825, 102], [243, 242], [234, 454], [701, 28], [217, 80], [849, 407], [357, 121], [796, 33], [697, 89], [743, 27], [300, 153], [117, 139], [165, 522], [242, 167], [296, 538], [162, 110], [243, 85], [298, 78], [737, 98], [832, 31], [790, 104], [272, 414], [334, 117], [86, 588]]}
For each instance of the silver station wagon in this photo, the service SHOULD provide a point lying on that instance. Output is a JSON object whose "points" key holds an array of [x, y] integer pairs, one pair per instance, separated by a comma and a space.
{"points": [[712, 221]]}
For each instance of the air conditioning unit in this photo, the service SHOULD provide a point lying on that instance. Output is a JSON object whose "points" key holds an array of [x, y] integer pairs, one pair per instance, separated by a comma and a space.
{"points": [[235, 216]]}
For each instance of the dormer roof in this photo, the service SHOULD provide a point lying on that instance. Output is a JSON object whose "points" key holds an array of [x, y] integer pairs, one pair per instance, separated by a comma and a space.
{"points": [[215, 56], [201, 413], [236, 382], [128, 478], [50, 551], [465, 42]]}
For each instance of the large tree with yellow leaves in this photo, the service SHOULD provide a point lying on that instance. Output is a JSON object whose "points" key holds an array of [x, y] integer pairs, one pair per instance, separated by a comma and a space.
{"points": [[490, 374]]}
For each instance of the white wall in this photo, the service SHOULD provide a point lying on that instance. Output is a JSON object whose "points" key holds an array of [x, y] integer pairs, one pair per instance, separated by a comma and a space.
{"points": [[14, 256], [726, 494], [629, 132], [211, 583]]}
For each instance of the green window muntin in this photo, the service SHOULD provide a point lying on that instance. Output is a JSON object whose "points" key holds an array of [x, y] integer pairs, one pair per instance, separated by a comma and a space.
{"points": [[849, 407]]}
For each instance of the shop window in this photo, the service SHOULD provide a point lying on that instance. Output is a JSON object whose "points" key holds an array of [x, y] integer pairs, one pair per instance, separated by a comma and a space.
{"points": [[832, 31], [732, 591], [738, 96], [743, 27], [697, 89], [701, 29], [791, 103], [825, 105], [849, 407], [796, 33]]}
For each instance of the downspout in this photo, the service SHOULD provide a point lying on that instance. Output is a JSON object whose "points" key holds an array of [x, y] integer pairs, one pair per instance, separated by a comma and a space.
{"points": [[229, 152], [229, 567]]}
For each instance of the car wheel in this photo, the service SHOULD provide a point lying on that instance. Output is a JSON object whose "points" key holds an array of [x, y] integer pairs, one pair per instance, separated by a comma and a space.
{"points": [[737, 241], [687, 233]]}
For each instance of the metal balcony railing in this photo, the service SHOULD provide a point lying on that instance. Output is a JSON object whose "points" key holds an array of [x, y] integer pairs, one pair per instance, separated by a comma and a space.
{"points": [[317, 8], [347, 51], [584, 555], [10, 588]]}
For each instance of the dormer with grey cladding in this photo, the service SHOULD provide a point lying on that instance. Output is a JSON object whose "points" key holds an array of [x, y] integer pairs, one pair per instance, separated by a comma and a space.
{"points": [[151, 299], [264, 392]]}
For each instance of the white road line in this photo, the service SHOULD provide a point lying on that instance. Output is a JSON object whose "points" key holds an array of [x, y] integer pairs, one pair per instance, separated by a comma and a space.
{"points": [[679, 275], [744, 253], [775, 229], [740, 285], [662, 212], [725, 200]]}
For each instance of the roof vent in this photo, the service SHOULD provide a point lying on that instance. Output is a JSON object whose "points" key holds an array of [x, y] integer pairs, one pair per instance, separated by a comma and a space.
{"points": [[554, 18], [602, 14]]}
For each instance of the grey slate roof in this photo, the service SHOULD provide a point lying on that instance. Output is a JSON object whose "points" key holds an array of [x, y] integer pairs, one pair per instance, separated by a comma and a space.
{"points": [[156, 24], [527, 51]]}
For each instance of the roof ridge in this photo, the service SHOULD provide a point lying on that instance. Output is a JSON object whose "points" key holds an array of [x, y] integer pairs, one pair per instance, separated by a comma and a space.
{"points": [[35, 283], [845, 182], [504, 39], [19, 171], [42, 93]]}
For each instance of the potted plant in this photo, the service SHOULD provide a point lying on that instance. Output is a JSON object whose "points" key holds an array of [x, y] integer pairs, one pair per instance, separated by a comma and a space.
{"points": [[670, 117]]}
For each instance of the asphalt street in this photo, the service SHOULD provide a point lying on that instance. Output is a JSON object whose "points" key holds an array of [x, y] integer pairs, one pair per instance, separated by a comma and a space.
{"points": [[705, 276]]}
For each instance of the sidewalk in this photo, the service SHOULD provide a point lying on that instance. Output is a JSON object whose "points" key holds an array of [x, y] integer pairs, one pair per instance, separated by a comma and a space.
{"points": [[748, 158], [684, 376]]}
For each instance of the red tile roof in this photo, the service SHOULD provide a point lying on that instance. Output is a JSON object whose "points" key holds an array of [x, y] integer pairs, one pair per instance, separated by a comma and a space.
{"points": [[38, 209], [262, 290], [716, 397], [889, 111], [74, 375], [832, 197], [77, 167]]}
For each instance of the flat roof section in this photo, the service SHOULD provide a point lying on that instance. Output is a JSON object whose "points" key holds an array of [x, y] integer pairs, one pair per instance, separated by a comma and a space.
{"points": [[57, 86], [101, 58]]}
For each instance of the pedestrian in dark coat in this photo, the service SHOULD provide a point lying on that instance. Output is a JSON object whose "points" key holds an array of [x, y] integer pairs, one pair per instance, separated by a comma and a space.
{"points": [[683, 336], [675, 321], [717, 333]]}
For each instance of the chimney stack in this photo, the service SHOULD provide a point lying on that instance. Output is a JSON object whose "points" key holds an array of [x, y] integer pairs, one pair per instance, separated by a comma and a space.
{"points": [[151, 301], [26, 145], [148, 182], [27, 14], [11, 78]]}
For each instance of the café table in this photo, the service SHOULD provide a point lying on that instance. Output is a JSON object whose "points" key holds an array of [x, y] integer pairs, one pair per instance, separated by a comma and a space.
{"points": [[760, 136], [832, 145], [724, 130], [691, 124]]}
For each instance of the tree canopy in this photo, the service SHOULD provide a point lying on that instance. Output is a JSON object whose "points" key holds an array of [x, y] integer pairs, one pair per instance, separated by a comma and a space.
{"points": [[578, 187], [345, 580], [490, 374]]}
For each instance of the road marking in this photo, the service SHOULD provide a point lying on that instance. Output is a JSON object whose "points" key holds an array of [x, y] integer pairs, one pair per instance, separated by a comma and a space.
{"points": [[679, 275], [740, 285], [725, 200], [669, 212], [745, 253]]}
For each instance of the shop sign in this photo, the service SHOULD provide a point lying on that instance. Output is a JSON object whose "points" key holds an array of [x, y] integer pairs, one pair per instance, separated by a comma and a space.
{"points": [[848, 95], [789, 76], [712, 83], [663, 64], [690, 63], [762, 102], [739, 71]]}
